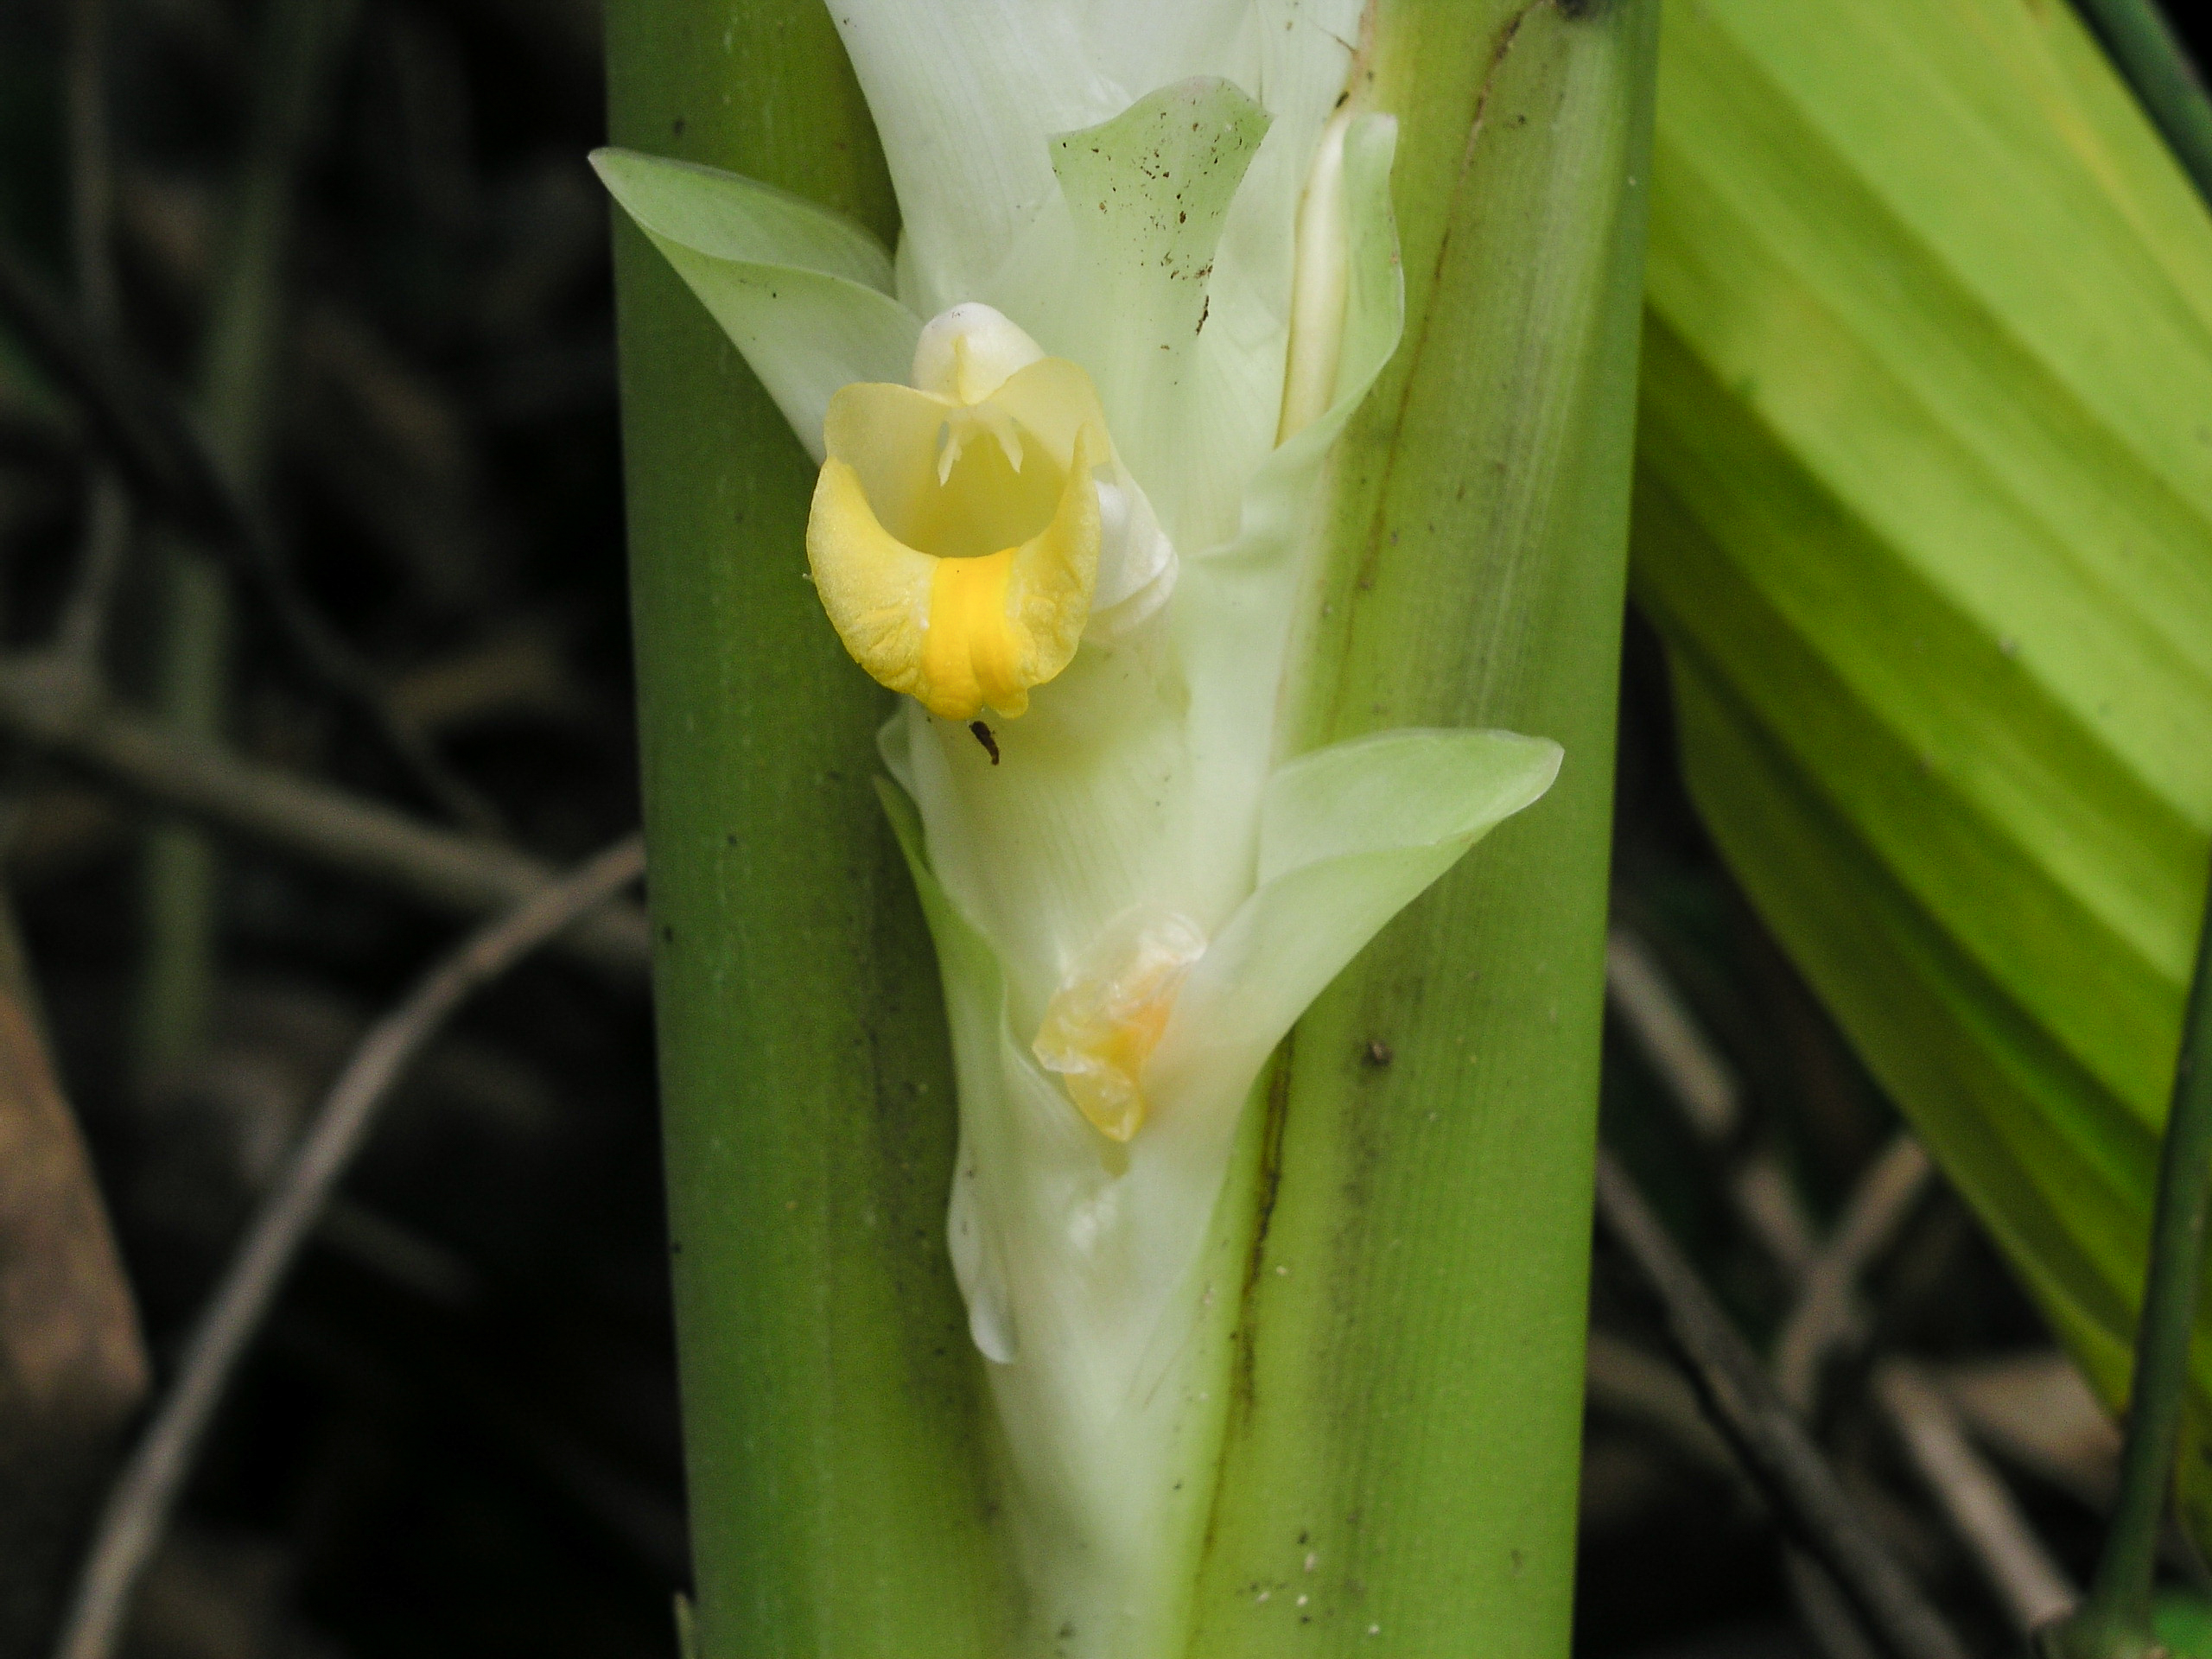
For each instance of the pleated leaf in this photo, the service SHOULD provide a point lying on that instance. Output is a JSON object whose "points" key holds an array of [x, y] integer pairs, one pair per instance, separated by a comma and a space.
{"points": [[1924, 510]]}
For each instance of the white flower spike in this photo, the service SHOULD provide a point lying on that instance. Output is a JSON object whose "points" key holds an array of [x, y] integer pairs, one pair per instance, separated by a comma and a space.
{"points": [[1074, 446]]}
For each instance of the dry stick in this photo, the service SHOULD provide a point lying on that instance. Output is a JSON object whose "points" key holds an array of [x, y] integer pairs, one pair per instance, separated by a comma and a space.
{"points": [[1826, 1314], [92, 179], [1703, 1084], [1774, 1448], [73, 1355], [1829, 1314], [2032, 1587], [92, 196], [152, 443], [1827, 1612], [1625, 1381], [1705, 1087], [46, 704], [143, 433], [238, 372], [81, 634], [138, 1508]]}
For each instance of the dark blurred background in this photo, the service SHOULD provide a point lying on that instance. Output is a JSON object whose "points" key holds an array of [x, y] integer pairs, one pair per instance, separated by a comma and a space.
{"points": [[358, 239]]}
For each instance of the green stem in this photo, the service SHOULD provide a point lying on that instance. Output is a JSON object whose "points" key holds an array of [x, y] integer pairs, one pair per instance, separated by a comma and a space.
{"points": [[2114, 1622], [2146, 51], [180, 893], [1404, 1438], [2124, 1575], [832, 1412], [237, 386]]}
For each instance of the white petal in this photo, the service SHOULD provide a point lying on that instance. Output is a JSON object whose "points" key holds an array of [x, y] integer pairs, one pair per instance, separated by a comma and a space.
{"points": [[1136, 776], [1320, 280], [1293, 57], [969, 352], [801, 291], [1270, 47], [1136, 562], [1082, 1261], [1147, 195], [1087, 811], [1143, 44], [1375, 311], [1349, 836], [1074, 1255], [1235, 602], [1304, 61], [963, 96], [1141, 776], [1388, 791], [974, 1005]]}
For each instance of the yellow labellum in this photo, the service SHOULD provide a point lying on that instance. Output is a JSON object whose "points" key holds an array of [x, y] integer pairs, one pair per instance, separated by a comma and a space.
{"points": [[1103, 1022], [954, 536]]}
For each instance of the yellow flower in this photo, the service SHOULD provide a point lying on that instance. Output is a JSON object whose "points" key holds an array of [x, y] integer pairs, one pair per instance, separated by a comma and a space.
{"points": [[955, 528], [1111, 1010]]}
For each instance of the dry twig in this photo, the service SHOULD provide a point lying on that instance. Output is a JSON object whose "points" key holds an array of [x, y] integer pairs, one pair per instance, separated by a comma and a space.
{"points": [[155, 448], [92, 198], [1828, 1313], [1638, 1387], [1704, 1088], [138, 1509], [2032, 1588], [1772, 1444], [58, 710], [1704, 1085], [2035, 1411]]}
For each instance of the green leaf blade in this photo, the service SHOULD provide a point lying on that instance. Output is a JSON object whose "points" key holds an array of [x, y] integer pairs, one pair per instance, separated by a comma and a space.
{"points": [[1924, 510]]}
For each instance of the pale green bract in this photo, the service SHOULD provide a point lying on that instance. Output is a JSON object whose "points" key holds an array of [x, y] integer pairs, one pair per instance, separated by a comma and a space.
{"points": [[1154, 241]]}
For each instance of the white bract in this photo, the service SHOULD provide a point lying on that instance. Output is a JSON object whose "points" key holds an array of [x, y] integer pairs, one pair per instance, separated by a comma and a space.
{"points": [[1073, 444]]}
